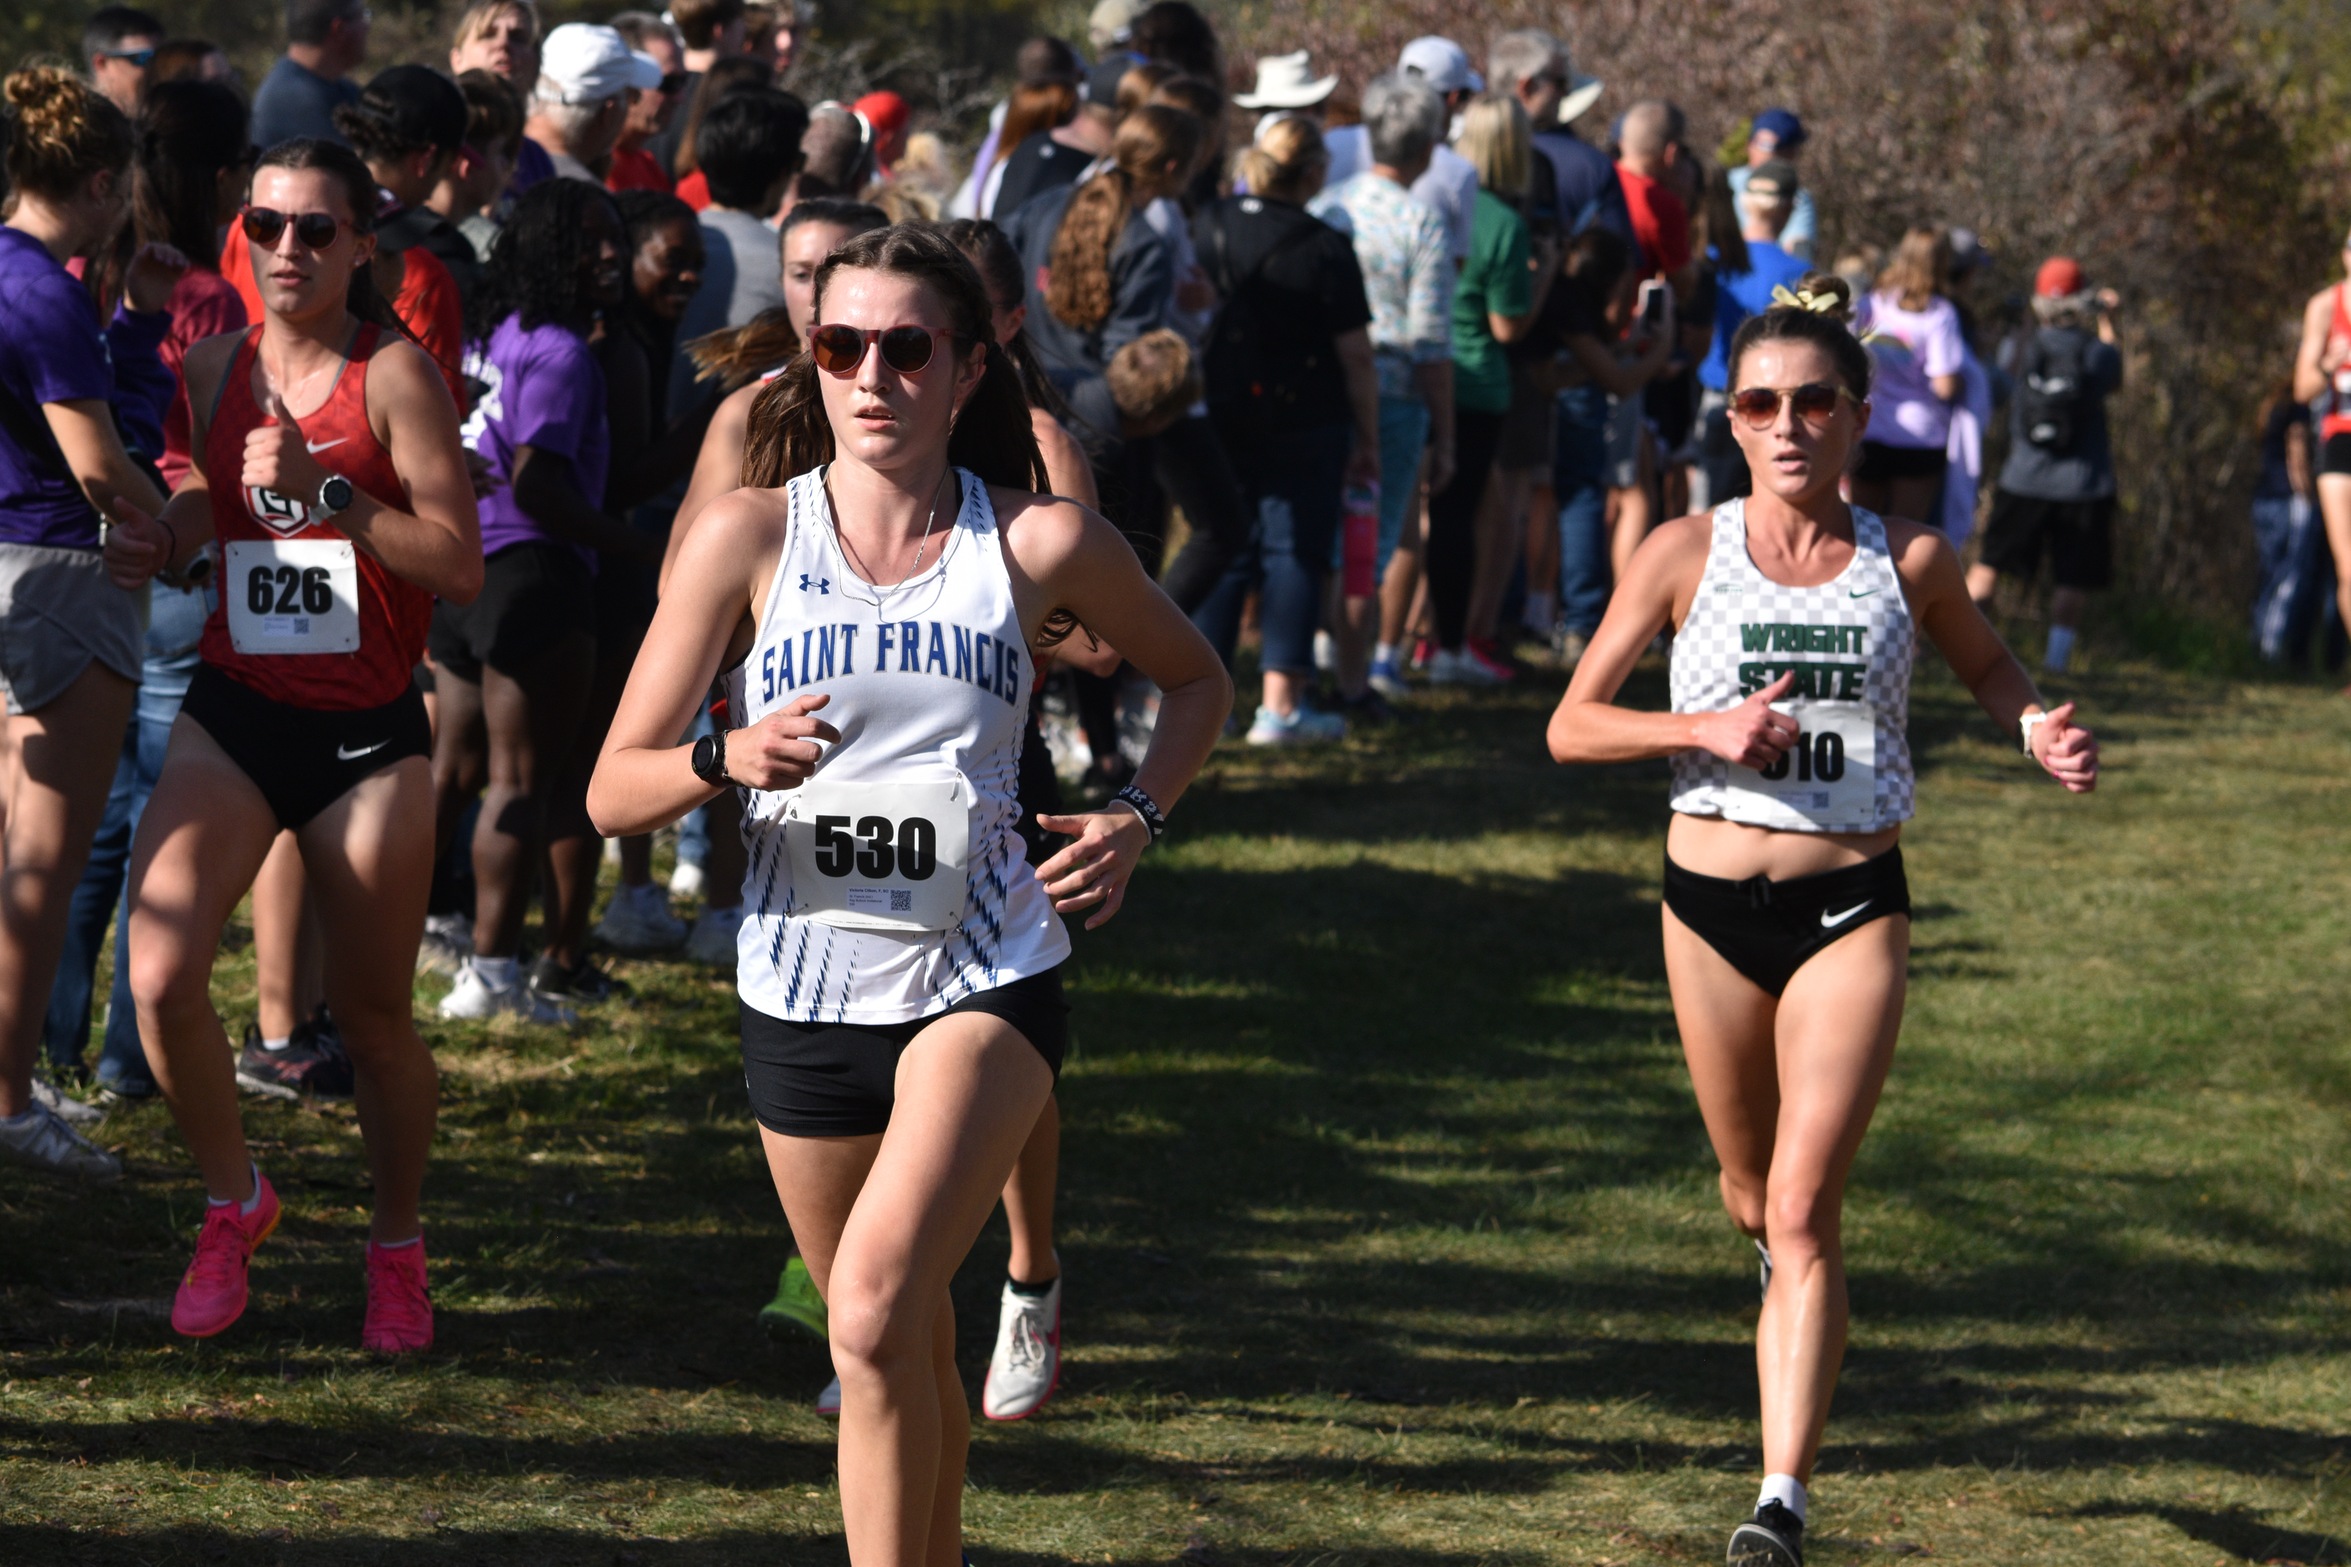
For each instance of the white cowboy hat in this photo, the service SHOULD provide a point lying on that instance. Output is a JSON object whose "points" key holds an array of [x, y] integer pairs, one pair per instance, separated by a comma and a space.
{"points": [[1283, 83], [1582, 91]]}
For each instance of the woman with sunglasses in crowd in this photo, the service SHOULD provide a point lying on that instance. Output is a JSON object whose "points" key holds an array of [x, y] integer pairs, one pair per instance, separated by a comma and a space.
{"points": [[329, 478], [513, 667], [872, 599], [70, 642], [1787, 914]]}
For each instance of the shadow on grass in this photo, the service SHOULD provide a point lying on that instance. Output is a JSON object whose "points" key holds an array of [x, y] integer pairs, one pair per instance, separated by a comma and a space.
{"points": [[2238, 1532], [54, 1547]]}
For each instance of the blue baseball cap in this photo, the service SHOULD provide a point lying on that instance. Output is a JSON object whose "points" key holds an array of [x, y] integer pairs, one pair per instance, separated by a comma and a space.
{"points": [[1787, 131]]}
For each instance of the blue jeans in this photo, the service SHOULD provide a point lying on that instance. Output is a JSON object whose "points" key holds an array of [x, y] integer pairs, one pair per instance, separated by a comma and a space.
{"points": [[175, 621], [1579, 482], [1295, 494], [2297, 577], [694, 826], [1404, 434]]}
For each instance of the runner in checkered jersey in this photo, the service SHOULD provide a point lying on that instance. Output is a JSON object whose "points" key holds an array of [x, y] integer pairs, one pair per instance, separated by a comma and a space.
{"points": [[1787, 916]]}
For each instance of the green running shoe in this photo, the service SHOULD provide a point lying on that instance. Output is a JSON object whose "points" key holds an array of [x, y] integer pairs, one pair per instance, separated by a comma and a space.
{"points": [[797, 1305]]}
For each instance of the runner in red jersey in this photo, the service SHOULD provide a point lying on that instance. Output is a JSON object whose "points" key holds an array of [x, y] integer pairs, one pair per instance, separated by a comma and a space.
{"points": [[330, 481], [2322, 377]]}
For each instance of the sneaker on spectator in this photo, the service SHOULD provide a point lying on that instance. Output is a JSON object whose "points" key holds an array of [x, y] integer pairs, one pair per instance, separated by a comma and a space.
{"points": [[828, 1402], [39, 1140], [1491, 658], [1568, 646], [713, 938], [1451, 667], [448, 942], [474, 998], [1300, 726], [686, 880], [797, 1307], [583, 981], [72, 1111], [127, 1084], [312, 1061], [1422, 651], [1388, 680], [638, 922], [1326, 653]]}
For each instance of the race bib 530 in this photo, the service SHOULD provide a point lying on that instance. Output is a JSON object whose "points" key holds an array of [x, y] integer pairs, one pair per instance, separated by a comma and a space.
{"points": [[876, 856]]}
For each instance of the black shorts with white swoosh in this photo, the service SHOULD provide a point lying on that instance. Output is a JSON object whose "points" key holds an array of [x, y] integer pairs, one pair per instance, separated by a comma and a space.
{"points": [[304, 759], [1768, 929]]}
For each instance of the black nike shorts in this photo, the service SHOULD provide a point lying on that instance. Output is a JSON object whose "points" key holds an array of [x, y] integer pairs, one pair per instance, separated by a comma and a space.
{"points": [[841, 1079], [1767, 929], [304, 759]]}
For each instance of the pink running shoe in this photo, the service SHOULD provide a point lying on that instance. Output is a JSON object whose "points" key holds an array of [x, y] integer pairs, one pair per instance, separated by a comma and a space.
{"points": [[399, 1308], [212, 1291]]}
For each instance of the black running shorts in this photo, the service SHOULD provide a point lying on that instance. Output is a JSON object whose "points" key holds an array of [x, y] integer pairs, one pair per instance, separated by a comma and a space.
{"points": [[840, 1079], [304, 759], [533, 596], [2078, 537], [2334, 453], [1767, 929]]}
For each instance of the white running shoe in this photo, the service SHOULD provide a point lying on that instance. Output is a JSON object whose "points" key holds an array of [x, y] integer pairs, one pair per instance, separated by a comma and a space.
{"points": [[1459, 667], [64, 1106], [448, 942], [39, 1140], [1026, 1367], [686, 880], [1301, 726], [828, 1402], [476, 999], [713, 938], [638, 921]]}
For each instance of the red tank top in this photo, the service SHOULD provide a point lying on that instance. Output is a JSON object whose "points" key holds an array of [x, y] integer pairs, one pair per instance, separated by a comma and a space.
{"points": [[306, 617], [2335, 401]]}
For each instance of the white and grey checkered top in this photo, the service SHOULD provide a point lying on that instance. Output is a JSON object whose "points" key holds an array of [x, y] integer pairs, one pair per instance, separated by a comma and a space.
{"points": [[1846, 640]]}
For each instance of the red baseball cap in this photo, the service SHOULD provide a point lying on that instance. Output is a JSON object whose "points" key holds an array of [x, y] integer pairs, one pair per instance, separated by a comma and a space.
{"points": [[884, 111], [2059, 277]]}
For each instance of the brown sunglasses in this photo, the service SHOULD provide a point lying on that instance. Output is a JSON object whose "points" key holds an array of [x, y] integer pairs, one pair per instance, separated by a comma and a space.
{"points": [[839, 350], [1758, 407]]}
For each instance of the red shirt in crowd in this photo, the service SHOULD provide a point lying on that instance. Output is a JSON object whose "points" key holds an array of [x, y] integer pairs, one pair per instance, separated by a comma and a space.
{"points": [[203, 304], [694, 191], [633, 168], [1661, 224]]}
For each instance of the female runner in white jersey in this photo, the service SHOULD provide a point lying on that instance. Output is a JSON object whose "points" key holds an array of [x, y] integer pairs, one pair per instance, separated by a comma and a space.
{"points": [[899, 967], [328, 470], [1787, 917]]}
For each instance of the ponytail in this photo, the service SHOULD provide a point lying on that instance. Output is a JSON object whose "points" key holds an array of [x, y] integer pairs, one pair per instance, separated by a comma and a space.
{"points": [[1078, 289]]}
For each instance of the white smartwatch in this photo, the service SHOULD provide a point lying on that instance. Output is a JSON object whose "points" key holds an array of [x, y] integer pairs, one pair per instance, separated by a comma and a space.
{"points": [[2026, 723]]}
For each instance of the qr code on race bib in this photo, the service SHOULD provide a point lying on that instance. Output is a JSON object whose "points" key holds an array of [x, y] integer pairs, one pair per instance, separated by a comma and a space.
{"points": [[901, 902]]}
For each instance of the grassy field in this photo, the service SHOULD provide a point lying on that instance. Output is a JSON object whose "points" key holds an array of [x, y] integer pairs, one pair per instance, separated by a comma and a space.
{"points": [[1391, 1232]]}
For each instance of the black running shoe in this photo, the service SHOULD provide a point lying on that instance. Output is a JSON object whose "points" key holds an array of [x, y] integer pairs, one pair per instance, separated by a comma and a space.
{"points": [[1774, 1537], [313, 1063], [583, 981]]}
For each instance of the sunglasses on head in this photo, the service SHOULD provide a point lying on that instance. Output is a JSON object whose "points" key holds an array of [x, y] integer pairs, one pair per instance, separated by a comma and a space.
{"points": [[1758, 407], [316, 230], [839, 350], [142, 58]]}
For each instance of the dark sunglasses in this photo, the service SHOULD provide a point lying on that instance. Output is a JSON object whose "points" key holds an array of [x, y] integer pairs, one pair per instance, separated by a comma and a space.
{"points": [[1758, 407], [315, 230], [142, 58], [839, 350]]}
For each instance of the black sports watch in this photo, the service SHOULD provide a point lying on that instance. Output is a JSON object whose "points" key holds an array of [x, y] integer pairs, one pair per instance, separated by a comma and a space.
{"points": [[334, 495], [710, 760]]}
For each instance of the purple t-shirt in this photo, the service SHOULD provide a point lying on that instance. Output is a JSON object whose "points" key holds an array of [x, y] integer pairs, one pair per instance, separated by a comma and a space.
{"points": [[541, 388], [1911, 348], [51, 351]]}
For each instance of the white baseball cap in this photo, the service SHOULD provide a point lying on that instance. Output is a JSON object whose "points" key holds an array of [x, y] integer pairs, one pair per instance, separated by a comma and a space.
{"points": [[585, 63], [1442, 63]]}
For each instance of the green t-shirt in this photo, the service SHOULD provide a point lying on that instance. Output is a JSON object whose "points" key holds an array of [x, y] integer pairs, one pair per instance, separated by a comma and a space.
{"points": [[1495, 279]]}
